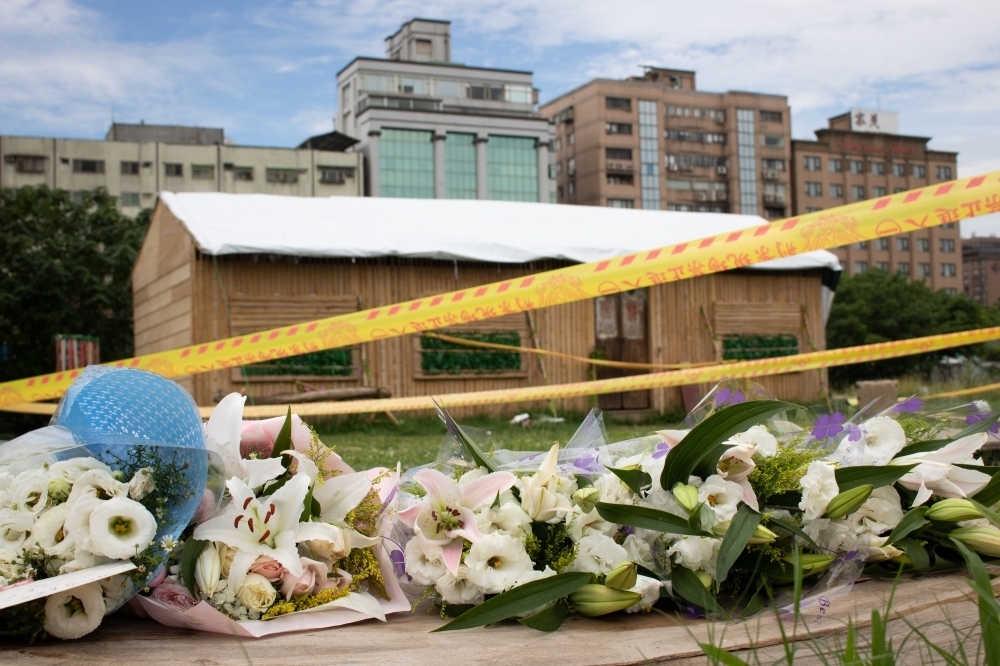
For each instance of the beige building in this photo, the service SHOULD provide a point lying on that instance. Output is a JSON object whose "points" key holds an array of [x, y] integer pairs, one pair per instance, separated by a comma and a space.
{"points": [[861, 156], [981, 269], [656, 142], [135, 162]]}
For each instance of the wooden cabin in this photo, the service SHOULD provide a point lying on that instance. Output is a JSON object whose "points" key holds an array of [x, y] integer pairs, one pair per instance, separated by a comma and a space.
{"points": [[218, 265]]}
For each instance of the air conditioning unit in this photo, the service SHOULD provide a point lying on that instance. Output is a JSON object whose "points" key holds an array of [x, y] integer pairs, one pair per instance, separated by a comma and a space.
{"points": [[702, 196], [721, 170]]}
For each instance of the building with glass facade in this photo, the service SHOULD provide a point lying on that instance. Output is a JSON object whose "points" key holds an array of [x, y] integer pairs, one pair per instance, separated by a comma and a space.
{"points": [[433, 129]]}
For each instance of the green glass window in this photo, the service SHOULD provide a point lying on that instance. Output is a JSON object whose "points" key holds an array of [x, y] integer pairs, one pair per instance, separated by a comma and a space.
{"points": [[329, 362], [406, 164], [460, 166], [511, 168], [754, 346], [440, 357]]}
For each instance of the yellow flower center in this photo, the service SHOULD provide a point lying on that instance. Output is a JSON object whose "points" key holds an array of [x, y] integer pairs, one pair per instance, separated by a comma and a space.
{"points": [[711, 500], [495, 562], [74, 606], [121, 526]]}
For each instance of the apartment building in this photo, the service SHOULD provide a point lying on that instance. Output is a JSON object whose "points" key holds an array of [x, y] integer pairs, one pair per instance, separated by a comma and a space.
{"points": [[432, 128], [981, 269], [657, 142], [134, 162], [861, 155]]}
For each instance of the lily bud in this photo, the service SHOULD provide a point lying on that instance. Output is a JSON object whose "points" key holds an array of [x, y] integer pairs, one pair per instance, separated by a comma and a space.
{"points": [[622, 577], [848, 501], [953, 510], [760, 534], [207, 570], [594, 600], [686, 496], [586, 498], [59, 489], [983, 540], [705, 578], [811, 562]]}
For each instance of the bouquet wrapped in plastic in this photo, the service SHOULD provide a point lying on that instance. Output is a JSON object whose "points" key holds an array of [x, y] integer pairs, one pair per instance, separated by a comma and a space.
{"points": [[90, 505], [297, 544]]}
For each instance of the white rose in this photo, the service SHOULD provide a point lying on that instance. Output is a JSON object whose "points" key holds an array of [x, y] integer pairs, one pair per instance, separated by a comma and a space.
{"points": [[649, 588], [638, 551], [74, 613], [30, 492], [424, 561], [458, 589], [819, 486], [74, 468], [141, 484], [257, 593], [496, 562], [121, 528], [597, 554], [49, 533], [15, 527], [696, 553], [723, 496]]}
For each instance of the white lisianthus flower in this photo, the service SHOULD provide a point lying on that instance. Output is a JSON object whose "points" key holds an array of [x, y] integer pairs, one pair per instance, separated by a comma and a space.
{"points": [[257, 593], [613, 491], [424, 561], [15, 527], [74, 613], [508, 518], [71, 470], [581, 524], [97, 484], [882, 438], [30, 492], [49, 533], [141, 484], [458, 589], [597, 554], [496, 562], [546, 495], [121, 528], [77, 524], [819, 486], [11, 568], [723, 496], [757, 440], [117, 590], [208, 570], [649, 589], [664, 500], [531, 576], [638, 551], [696, 553], [841, 536]]}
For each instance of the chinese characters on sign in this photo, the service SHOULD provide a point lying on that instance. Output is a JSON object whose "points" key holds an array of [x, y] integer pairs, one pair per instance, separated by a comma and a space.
{"points": [[874, 120]]}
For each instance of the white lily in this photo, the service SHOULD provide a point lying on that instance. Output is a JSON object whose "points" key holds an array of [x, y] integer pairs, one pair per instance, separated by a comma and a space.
{"points": [[222, 435], [936, 473], [542, 499], [337, 496]]}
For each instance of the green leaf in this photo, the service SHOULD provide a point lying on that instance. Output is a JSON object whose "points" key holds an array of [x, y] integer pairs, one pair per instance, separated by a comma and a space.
{"points": [[990, 493], [873, 475], [989, 513], [470, 447], [518, 600], [794, 529], [912, 521], [283, 442], [922, 447], [985, 469], [735, 540], [687, 586], [719, 655], [646, 518], [757, 601], [917, 553], [189, 557], [583, 481], [989, 609], [790, 499], [549, 619], [702, 518], [705, 438], [635, 479], [709, 463]]}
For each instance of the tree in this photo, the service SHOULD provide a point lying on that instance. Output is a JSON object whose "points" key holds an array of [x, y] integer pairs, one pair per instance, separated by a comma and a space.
{"points": [[875, 307], [66, 268]]}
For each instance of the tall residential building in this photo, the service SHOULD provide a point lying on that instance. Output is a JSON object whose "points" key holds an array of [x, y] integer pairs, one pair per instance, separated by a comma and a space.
{"points": [[656, 142], [135, 162], [861, 156], [981, 269], [432, 128]]}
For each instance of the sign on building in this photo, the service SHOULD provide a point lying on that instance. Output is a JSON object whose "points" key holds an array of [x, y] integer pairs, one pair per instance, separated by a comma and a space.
{"points": [[873, 120]]}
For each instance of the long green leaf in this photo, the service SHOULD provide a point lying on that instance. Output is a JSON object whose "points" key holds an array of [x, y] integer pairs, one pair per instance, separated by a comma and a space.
{"points": [[647, 519], [519, 600], [917, 553], [757, 601], [922, 447], [685, 584], [283, 442], [635, 479], [989, 513], [912, 521], [990, 493], [989, 609], [476, 453], [794, 529], [874, 475], [549, 619], [719, 655], [704, 438], [735, 540], [189, 558]]}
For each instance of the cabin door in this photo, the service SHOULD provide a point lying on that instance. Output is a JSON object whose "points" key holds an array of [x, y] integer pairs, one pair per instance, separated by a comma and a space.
{"points": [[622, 335]]}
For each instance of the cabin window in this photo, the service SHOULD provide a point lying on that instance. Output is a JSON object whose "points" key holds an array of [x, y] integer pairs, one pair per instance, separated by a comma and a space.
{"points": [[750, 346], [326, 363], [442, 357]]}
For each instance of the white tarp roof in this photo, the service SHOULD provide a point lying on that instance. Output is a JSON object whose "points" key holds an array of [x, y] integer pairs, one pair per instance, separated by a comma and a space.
{"points": [[467, 230]]}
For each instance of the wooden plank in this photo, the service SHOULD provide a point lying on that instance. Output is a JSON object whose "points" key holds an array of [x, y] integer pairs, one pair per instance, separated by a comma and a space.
{"points": [[167, 312], [752, 317], [163, 283]]}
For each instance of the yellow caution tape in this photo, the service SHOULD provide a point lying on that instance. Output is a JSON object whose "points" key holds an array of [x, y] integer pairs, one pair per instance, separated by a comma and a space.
{"points": [[703, 375], [866, 220]]}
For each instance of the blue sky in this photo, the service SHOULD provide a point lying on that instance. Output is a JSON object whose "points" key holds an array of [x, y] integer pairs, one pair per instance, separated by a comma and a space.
{"points": [[266, 71]]}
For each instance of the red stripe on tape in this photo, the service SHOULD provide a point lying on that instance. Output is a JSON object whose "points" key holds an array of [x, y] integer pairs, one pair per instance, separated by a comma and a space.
{"points": [[706, 242], [293, 330], [372, 314], [457, 297], [415, 305], [504, 287], [881, 203], [913, 196], [202, 349], [526, 283], [601, 266], [628, 260], [762, 230], [187, 352], [393, 310], [735, 236], [480, 292], [975, 182], [653, 254], [788, 226], [679, 248], [944, 189], [437, 301]]}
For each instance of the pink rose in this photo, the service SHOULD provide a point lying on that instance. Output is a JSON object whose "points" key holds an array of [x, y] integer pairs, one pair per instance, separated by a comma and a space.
{"points": [[268, 568], [158, 578], [174, 594], [258, 437], [298, 586]]}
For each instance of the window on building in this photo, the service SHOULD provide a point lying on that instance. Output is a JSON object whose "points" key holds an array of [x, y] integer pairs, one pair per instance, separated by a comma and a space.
{"points": [[173, 169], [571, 138], [571, 187], [948, 245], [447, 88], [834, 165], [949, 270], [814, 189], [861, 245], [423, 47], [331, 175], [903, 268], [376, 83], [88, 166], [878, 168], [903, 244], [860, 267], [836, 191], [26, 163], [282, 176], [571, 166], [772, 141], [511, 168], [520, 94], [882, 266], [406, 164], [680, 207], [618, 153], [621, 103], [878, 191], [460, 166], [882, 244], [812, 209], [770, 116], [130, 168], [695, 137], [649, 155], [130, 199], [618, 128], [924, 270], [621, 203], [621, 179], [857, 192], [486, 91], [438, 357], [898, 170], [556, 170], [719, 115], [203, 171], [243, 173], [771, 164], [857, 166], [813, 163], [944, 173], [676, 162], [948, 225], [897, 190], [923, 245], [919, 171], [559, 192], [746, 147]]}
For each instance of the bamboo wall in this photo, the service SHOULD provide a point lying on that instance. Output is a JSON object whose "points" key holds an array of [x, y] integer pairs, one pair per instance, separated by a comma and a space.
{"points": [[226, 295]]}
